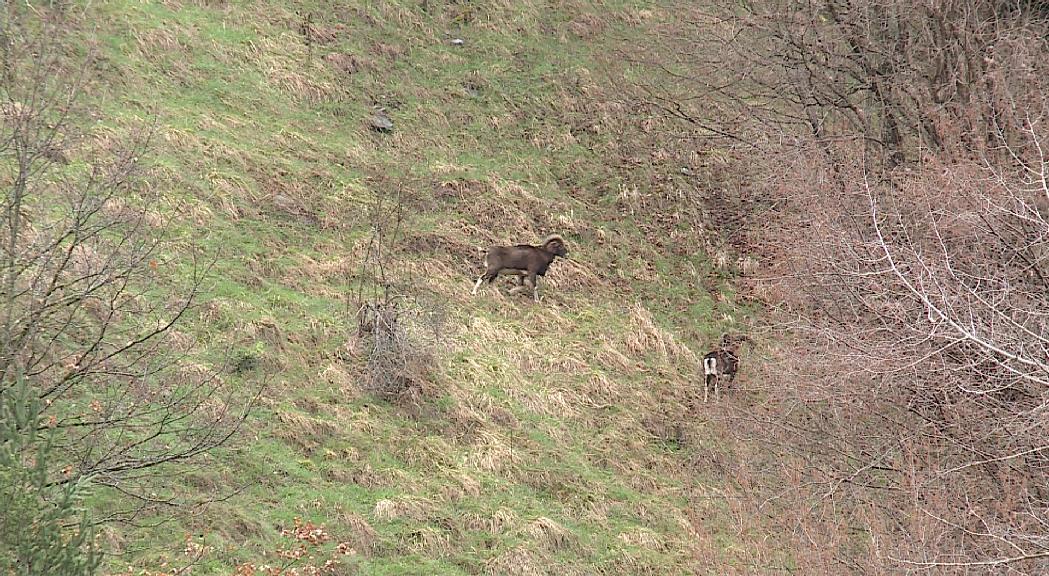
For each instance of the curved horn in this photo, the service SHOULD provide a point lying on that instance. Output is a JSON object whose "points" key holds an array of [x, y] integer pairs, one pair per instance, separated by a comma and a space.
{"points": [[551, 238]]}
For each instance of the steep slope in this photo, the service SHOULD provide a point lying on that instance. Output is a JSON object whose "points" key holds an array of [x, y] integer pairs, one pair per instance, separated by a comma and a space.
{"points": [[554, 438]]}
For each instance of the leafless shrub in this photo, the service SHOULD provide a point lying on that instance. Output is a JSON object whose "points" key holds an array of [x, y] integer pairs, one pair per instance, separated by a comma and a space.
{"points": [[403, 340], [402, 333]]}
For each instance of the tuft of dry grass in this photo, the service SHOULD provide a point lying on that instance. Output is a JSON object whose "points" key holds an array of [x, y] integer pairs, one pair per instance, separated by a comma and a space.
{"points": [[119, 210], [190, 373], [615, 361], [576, 276], [155, 43], [361, 534], [491, 452], [550, 535], [643, 538], [428, 541], [502, 521], [558, 403], [406, 508], [600, 392], [434, 453], [306, 432], [519, 561], [648, 337], [383, 478], [284, 61], [86, 262], [458, 485]]}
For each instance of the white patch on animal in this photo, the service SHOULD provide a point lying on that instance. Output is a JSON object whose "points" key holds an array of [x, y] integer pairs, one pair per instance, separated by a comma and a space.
{"points": [[721, 363]]}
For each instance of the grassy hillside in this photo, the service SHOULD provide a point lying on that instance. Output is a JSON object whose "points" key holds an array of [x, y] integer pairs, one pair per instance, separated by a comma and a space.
{"points": [[558, 438]]}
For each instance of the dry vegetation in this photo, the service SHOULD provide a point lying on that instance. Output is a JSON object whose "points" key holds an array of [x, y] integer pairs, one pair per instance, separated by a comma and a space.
{"points": [[898, 212]]}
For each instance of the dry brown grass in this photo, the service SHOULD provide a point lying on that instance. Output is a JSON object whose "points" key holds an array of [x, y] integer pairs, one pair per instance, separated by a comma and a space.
{"points": [[518, 561], [614, 360], [362, 536], [586, 26], [383, 478], [458, 485], [445, 246], [433, 453], [558, 403], [339, 377], [119, 210], [575, 276], [473, 411], [648, 337], [319, 277], [600, 391], [85, 261], [428, 541], [163, 41], [285, 61], [550, 535], [404, 508], [490, 452], [306, 432], [643, 538]]}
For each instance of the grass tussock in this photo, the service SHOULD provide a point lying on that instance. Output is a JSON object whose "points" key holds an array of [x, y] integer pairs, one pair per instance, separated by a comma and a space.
{"points": [[518, 561], [550, 535], [361, 535], [407, 508], [643, 538], [306, 432], [490, 452]]}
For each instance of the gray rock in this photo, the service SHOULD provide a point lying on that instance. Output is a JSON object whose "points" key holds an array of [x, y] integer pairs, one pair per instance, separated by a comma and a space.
{"points": [[381, 122]]}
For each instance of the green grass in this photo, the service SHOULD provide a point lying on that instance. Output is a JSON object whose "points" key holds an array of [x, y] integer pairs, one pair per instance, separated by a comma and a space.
{"points": [[265, 162]]}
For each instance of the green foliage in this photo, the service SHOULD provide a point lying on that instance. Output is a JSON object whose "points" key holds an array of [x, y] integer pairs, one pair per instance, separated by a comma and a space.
{"points": [[42, 530]]}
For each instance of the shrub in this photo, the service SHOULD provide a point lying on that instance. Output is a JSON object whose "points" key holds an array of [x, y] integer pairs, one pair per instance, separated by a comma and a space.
{"points": [[42, 531]]}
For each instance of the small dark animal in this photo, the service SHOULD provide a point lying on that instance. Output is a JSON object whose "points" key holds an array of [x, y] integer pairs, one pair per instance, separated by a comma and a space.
{"points": [[719, 364], [525, 261]]}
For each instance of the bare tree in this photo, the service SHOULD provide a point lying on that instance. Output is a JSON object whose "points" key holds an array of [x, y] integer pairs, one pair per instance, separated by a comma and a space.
{"points": [[401, 330], [904, 152], [901, 79], [89, 288]]}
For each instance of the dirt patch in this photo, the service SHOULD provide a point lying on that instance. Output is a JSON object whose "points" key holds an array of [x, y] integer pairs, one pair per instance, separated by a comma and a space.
{"points": [[345, 63]]}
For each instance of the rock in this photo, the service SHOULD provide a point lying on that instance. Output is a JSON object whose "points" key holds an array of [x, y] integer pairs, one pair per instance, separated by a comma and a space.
{"points": [[457, 41], [381, 122], [285, 204]]}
